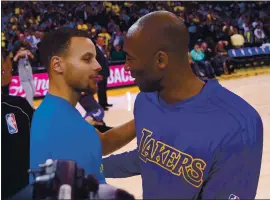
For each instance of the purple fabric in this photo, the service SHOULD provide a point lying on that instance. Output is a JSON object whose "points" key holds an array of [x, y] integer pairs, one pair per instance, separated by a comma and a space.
{"points": [[97, 114], [92, 107]]}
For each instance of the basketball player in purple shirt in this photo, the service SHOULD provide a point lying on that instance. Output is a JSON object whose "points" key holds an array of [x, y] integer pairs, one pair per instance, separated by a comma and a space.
{"points": [[196, 139]]}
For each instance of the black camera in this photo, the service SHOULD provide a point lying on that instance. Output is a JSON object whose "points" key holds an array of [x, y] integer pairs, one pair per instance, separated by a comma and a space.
{"points": [[63, 179]]}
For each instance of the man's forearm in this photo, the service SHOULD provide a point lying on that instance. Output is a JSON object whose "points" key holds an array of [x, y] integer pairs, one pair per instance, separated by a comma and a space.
{"points": [[117, 137], [122, 165]]}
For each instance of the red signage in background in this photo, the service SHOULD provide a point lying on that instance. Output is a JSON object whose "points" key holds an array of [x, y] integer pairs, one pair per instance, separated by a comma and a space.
{"points": [[41, 82], [118, 77]]}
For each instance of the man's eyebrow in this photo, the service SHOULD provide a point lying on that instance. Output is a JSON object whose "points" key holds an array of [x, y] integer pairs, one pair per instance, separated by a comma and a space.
{"points": [[91, 55]]}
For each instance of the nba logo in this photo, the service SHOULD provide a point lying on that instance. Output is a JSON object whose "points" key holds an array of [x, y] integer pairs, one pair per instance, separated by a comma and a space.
{"points": [[233, 197], [11, 123]]}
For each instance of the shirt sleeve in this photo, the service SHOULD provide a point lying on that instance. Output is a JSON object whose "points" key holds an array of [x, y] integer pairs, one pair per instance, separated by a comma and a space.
{"points": [[122, 165], [235, 173]]}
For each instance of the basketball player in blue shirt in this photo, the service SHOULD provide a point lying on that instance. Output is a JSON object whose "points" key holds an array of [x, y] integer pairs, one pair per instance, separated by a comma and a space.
{"points": [[196, 140], [58, 130]]}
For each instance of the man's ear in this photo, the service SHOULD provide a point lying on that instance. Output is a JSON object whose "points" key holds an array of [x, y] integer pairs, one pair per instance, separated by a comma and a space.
{"points": [[57, 64], [162, 59]]}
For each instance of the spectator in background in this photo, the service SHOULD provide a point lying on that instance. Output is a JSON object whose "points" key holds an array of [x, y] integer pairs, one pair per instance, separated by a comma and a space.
{"points": [[19, 42], [198, 57], [259, 35], [249, 39], [104, 72], [29, 38], [23, 58], [36, 39], [10, 45], [97, 26], [214, 20], [6, 71], [82, 26], [246, 27], [196, 54], [256, 23], [93, 34], [237, 40], [118, 37], [106, 36], [221, 57], [118, 54], [111, 26], [195, 67], [208, 59]]}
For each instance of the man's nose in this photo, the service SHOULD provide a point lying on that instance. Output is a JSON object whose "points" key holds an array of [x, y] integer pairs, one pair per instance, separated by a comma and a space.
{"points": [[97, 66]]}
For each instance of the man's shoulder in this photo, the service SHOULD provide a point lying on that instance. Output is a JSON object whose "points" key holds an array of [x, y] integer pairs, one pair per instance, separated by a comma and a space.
{"points": [[61, 119], [13, 99], [235, 121], [234, 105], [16, 103], [232, 99]]}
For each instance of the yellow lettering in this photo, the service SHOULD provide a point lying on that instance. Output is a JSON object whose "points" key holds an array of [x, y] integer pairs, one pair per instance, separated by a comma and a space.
{"points": [[148, 149], [171, 159], [198, 167], [145, 134]]}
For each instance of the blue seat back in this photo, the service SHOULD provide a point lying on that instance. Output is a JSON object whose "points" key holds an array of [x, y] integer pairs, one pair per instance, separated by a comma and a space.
{"points": [[236, 53], [267, 49], [255, 51], [262, 51], [232, 53], [248, 51]]}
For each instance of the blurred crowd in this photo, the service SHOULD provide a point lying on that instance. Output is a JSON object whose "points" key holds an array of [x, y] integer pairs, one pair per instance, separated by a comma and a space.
{"points": [[214, 27]]}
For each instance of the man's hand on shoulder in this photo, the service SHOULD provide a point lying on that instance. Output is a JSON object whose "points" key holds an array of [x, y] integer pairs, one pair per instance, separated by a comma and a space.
{"points": [[117, 137]]}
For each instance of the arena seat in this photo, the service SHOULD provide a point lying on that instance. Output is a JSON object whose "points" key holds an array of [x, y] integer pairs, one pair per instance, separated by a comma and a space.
{"points": [[249, 55], [238, 57]]}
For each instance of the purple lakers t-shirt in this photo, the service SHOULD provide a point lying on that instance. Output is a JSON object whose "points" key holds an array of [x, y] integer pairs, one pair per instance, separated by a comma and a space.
{"points": [[207, 147]]}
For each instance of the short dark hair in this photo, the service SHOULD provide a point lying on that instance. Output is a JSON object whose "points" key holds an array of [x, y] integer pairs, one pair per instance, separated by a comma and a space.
{"points": [[56, 42]]}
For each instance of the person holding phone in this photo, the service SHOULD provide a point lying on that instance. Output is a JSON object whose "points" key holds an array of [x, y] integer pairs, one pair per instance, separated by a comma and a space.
{"points": [[23, 58]]}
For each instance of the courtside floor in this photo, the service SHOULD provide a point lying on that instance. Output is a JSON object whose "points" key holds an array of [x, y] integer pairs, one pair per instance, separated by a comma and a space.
{"points": [[254, 89]]}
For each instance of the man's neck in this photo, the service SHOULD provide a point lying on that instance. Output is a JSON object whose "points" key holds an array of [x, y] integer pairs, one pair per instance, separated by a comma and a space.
{"points": [[181, 87], [64, 92]]}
